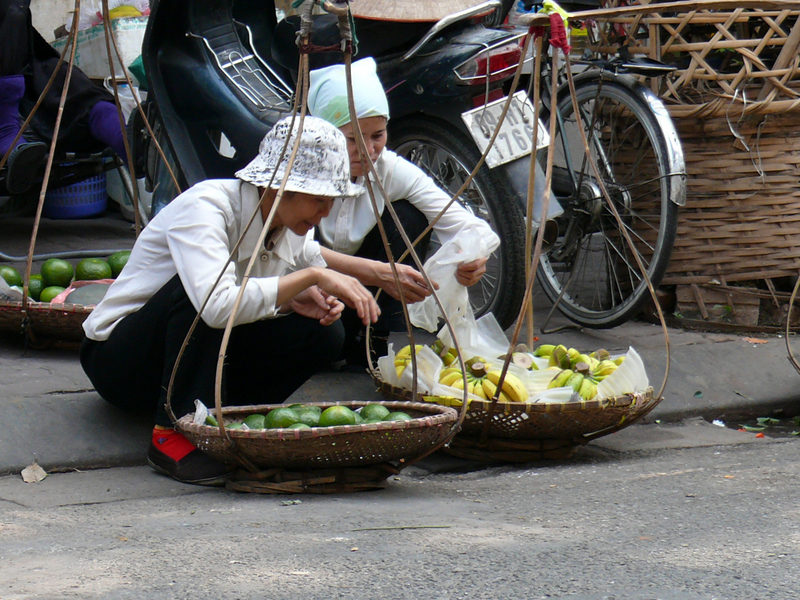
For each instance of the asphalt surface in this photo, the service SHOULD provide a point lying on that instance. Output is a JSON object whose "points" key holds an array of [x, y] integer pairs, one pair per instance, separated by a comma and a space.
{"points": [[52, 416]]}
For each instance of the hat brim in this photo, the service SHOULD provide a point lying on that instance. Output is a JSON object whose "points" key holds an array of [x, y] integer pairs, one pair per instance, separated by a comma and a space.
{"points": [[259, 174]]}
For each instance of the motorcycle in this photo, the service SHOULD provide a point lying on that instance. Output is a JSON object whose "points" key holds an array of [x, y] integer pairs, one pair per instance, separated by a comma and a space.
{"points": [[222, 72]]}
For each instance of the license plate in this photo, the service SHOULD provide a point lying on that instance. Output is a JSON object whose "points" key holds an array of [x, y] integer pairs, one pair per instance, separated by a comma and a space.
{"points": [[516, 131]]}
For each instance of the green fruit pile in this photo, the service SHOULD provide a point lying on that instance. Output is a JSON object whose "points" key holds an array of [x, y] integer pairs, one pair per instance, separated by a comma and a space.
{"points": [[56, 274], [306, 416]]}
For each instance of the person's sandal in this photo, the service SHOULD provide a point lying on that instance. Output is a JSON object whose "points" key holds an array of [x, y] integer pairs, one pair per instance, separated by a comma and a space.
{"points": [[24, 164], [196, 467]]}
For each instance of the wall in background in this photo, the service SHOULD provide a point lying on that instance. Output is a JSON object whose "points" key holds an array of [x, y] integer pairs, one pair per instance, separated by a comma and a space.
{"points": [[49, 15]]}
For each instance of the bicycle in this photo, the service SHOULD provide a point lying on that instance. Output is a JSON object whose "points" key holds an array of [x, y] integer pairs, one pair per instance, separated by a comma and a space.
{"points": [[590, 272]]}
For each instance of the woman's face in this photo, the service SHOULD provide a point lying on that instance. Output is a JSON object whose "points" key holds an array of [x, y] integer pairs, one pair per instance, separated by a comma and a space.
{"points": [[374, 131], [301, 212]]}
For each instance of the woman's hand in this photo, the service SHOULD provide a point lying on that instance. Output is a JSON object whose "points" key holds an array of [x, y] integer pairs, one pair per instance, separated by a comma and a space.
{"points": [[351, 292], [413, 284], [470, 273], [315, 303]]}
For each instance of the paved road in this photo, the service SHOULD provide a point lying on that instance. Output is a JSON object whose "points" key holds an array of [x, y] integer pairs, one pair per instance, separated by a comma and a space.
{"points": [[684, 511]]}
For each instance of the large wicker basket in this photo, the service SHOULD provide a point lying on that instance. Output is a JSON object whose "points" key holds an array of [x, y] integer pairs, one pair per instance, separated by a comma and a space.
{"points": [[520, 432], [58, 321], [325, 447], [735, 100]]}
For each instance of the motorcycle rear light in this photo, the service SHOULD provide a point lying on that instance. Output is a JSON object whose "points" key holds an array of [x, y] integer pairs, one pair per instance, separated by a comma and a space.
{"points": [[493, 64]]}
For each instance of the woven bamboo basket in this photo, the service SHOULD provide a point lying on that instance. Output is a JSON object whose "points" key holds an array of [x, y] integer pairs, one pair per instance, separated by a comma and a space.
{"points": [[322, 459], [58, 321], [735, 100], [522, 432]]}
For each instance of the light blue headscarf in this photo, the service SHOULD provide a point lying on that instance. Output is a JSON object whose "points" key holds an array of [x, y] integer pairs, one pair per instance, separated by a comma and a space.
{"points": [[327, 94]]}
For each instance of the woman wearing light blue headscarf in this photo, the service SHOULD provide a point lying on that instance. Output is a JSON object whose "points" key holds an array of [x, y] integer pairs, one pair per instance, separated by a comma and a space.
{"points": [[351, 227]]}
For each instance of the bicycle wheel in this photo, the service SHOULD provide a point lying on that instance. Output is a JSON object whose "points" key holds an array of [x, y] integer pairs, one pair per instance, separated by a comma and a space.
{"points": [[447, 157], [591, 272]]}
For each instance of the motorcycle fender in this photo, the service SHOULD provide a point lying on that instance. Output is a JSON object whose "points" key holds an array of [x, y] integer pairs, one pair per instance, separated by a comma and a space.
{"points": [[677, 164], [518, 173]]}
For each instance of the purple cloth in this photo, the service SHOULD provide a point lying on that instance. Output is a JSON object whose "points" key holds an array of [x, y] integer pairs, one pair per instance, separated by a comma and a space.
{"points": [[104, 126], [12, 88]]}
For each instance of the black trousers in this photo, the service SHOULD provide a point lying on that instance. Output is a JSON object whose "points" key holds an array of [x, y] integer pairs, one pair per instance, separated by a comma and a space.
{"points": [[265, 361]]}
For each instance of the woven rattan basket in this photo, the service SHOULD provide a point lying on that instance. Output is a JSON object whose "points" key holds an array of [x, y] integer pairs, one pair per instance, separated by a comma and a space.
{"points": [[735, 100], [58, 321], [520, 432], [323, 459]]}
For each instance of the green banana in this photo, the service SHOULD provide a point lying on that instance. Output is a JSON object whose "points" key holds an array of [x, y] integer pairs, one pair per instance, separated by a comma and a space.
{"points": [[560, 358], [560, 380], [575, 381], [544, 350]]}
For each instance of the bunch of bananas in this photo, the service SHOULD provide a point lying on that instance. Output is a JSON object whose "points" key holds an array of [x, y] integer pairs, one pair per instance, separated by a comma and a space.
{"points": [[584, 375], [580, 380], [483, 383], [403, 358]]}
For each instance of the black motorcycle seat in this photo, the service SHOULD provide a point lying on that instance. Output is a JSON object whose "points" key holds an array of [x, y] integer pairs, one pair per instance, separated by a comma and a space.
{"points": [[374, 38]]}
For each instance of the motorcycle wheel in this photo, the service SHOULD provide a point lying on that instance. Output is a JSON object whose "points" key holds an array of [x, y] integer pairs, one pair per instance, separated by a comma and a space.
{"points": [[448, 157], [591, 272]]}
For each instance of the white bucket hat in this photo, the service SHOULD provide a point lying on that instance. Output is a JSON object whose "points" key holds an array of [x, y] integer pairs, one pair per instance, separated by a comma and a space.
{"points": [[321, 167]]}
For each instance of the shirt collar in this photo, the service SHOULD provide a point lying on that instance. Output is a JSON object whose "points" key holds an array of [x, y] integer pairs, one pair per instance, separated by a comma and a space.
{"points": [[278, 241]]}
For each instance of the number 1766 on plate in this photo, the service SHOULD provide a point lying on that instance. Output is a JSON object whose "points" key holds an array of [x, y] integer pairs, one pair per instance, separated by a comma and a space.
{"points": [[516, 131]]}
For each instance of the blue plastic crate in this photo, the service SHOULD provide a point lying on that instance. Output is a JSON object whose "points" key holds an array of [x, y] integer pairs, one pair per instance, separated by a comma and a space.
{"points": [[86, 198]]}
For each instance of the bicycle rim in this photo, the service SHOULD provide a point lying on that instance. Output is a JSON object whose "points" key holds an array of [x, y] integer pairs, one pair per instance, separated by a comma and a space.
{"points": [[591, 271]]}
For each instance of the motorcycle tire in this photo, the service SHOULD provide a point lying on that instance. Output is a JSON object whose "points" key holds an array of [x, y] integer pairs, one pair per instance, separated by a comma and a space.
{"points": [[448, 157]]}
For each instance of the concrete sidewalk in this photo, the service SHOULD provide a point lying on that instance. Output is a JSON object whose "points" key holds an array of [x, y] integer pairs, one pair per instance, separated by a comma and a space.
{"points": [[50, 413]]}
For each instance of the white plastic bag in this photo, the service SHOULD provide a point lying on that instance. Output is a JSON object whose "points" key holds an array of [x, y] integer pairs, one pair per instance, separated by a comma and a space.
{"points": [[629, 377], [470, 244]]}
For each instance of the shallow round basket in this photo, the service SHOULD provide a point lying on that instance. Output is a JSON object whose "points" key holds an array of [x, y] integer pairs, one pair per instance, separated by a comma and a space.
{"points": [[534, 431], [320, 448], [58, 321]]}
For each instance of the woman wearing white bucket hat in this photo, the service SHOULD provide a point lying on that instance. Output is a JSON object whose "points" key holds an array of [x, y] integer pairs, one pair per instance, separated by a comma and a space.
{"points": [[350, 234], [134, 335]]}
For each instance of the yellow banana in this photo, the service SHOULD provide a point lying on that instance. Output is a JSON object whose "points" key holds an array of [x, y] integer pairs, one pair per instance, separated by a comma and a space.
{"points": [[544, 350], [512, 386], [603, 370], [560, 380], [574, 355], [618, 361], [406, 351], [450, 378], [588, 389], [490, 389]]}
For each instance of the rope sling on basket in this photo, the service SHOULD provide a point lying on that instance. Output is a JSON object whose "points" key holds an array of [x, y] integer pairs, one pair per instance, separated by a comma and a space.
{"points": [[513, 430], [322, 459]]}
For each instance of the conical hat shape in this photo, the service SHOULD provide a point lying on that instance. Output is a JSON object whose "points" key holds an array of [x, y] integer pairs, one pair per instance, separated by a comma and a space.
{"points": [[409, 10]]}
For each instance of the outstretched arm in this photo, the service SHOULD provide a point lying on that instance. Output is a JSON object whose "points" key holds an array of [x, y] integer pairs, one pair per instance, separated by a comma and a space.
{"points": [[375, 273]]}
